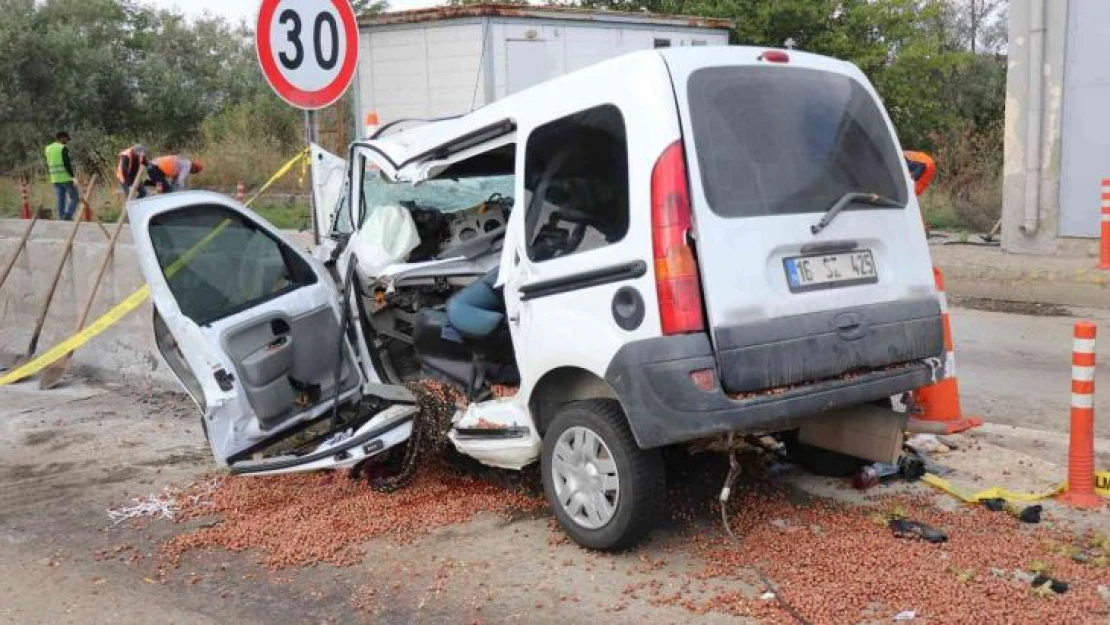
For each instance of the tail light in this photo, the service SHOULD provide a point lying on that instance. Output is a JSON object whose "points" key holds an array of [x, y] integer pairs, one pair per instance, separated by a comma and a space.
{"points": [[676, 270]]}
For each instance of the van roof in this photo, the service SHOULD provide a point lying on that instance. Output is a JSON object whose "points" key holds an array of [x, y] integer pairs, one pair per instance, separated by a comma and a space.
{"points": [[614, 75]]}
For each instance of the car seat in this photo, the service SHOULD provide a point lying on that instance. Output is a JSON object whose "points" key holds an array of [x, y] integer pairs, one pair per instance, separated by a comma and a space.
{"points": [[468, 341]]}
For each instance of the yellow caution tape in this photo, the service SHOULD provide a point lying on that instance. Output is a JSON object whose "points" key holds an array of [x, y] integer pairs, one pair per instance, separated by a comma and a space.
{"points": [[133, 301], [1102, 487], [994, 492], [1102, 483]]}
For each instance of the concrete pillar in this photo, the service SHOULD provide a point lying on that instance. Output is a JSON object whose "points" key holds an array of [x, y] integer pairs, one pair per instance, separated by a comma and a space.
{"points": [[1018, 189]]}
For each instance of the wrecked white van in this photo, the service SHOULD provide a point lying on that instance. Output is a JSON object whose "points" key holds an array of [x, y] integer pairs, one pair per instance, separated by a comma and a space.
{"points": [[670, 246]]}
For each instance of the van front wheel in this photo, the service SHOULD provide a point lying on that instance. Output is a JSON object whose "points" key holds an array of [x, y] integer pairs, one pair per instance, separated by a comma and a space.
{"points": [[605, 490]]}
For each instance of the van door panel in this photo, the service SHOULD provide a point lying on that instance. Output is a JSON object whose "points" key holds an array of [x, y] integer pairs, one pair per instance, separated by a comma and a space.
{"points": [[248, 322], [770, 148]]}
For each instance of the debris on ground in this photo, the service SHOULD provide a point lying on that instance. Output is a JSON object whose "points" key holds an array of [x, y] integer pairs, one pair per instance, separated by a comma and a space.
{"points": [[1031, 514], [1046, 584], [904, 528], [311, 518], [837, 576], [164, 505], [909, 467], [926, 444], [436, 404]]}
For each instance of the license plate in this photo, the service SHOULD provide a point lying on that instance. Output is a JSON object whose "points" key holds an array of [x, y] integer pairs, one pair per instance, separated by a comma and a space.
{"points": [[807, 273]]}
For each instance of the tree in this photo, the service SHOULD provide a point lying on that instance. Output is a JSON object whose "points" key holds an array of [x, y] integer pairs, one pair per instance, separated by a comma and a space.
{"points": [[114, 72], [369, 7]]}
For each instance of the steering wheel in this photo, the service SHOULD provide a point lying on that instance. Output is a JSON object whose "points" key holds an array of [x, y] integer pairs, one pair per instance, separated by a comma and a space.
{"points": [[496, 201]]}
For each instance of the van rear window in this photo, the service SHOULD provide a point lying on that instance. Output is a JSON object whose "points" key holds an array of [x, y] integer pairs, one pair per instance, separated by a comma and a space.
{"points": [[777, 140]]}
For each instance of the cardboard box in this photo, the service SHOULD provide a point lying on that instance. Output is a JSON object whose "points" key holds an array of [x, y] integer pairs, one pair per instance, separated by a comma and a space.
{"points": [[868, 431]]}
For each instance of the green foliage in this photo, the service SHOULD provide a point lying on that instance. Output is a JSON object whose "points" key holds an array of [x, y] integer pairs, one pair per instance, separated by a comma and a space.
{"points": [[938, 65], [118, 72], [369, 7], [114, 73]]}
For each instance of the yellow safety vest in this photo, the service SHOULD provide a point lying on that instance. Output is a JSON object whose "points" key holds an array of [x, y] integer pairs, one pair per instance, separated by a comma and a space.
{"points": [[56, 165]]}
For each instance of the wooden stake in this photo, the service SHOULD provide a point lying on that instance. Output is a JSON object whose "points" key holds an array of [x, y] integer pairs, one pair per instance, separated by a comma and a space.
{"points": [[53, 374]]}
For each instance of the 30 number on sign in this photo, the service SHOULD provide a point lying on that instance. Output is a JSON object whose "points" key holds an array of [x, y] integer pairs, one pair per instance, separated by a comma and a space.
{"points": [[292, 20], [308, 49]]}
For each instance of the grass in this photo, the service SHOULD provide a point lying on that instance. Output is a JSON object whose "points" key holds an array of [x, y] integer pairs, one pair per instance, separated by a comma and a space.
{"points": [[283, 215], [285, 211], [940, 211]]}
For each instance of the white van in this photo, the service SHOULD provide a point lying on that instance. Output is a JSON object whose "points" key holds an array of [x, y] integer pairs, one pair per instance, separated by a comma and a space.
{"points": [[670, 246]]}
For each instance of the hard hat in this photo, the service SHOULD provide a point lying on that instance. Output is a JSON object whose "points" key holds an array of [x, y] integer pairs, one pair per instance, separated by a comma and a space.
{"points": [[196, 167]]}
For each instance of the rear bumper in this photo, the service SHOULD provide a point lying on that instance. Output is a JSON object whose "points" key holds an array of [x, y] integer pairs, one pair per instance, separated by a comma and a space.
{"points": [[821, 345], [652, 381]]}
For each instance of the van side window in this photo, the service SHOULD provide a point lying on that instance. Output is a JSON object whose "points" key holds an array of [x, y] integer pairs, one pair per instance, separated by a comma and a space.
{"points": [[218, 263], [576, 183], [662, 43]]}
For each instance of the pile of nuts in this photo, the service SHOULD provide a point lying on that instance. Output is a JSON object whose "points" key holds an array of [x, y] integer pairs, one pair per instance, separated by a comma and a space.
{"points": [[836, 563], [303, 519], [322, 517]]}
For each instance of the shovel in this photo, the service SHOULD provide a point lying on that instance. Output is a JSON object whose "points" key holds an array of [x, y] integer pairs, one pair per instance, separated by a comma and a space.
{"points": [[54, 373], [33, 345]]}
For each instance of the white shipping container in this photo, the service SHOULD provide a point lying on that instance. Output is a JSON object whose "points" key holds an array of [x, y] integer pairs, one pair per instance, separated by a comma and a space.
{"points": [[447, 61]]}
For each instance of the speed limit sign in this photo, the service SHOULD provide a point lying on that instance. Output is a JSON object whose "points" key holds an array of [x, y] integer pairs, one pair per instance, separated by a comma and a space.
{"points": [[308, 49]]}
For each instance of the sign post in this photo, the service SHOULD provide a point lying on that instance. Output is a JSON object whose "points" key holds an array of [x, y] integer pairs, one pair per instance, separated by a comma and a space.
{"points": [[308, 51]]}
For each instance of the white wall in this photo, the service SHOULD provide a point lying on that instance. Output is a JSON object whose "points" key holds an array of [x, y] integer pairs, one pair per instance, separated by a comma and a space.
{"points": [[428, 71], [571, 46], [437, 69], [1085, 137]]}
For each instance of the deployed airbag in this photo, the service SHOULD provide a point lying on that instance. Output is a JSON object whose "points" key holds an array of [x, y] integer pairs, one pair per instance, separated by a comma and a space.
{"points": [[387, 238]]}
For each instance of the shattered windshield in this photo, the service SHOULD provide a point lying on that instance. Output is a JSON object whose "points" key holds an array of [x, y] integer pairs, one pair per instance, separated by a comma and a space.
{"points": [[442, 195]]}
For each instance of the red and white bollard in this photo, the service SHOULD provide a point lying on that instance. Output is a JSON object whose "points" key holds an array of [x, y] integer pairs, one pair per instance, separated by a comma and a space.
{"points": [[240, 191], [1081, 453], [25, 195], [1104, 240]]}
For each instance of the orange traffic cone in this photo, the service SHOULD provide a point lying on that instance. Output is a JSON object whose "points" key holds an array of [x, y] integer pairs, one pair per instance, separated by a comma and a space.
{"points": [[940, 402], [240, 191], [1081, 452]]}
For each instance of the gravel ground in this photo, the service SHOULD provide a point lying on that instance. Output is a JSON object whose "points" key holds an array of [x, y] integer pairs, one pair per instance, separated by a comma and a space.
{"points": [[461, 547]]}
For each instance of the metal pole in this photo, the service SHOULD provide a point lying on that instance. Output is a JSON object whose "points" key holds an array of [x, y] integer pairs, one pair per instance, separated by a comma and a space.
{"points": [[310, 138]]}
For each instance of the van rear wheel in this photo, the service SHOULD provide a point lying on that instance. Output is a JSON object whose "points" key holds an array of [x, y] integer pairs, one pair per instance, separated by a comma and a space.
{"points": [[605, 490]]}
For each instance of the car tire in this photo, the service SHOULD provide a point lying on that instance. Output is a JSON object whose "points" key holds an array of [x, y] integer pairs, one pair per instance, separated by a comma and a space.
{"points": [[819, 461], [626, 516]]}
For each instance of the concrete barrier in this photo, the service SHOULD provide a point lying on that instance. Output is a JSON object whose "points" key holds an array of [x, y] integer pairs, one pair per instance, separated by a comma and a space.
{"points": [[125, 352]]}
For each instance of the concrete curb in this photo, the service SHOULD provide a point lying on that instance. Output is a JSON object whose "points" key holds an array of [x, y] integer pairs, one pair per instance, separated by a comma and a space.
{"points": [[987, 272]]}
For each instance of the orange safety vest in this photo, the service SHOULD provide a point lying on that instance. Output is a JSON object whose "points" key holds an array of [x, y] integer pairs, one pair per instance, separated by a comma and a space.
{"points": [[922, 183], [132, 161], [169, 165]]}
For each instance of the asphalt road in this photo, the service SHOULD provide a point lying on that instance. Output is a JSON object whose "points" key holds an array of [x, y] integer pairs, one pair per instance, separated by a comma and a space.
{"points": [[1016, 369]]}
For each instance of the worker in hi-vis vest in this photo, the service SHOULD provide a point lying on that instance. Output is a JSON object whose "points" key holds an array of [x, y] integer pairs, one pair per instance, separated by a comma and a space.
{"points": [[172, 172], [127, 169], [60, 169]]}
